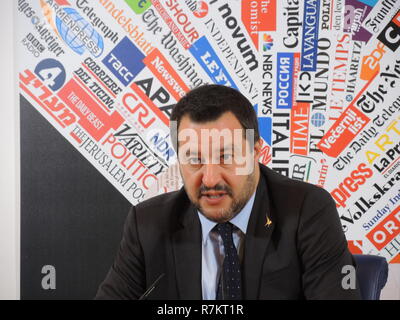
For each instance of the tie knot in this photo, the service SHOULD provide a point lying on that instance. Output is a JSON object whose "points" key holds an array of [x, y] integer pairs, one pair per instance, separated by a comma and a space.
{"points": [[224, 228], [225, 231]]}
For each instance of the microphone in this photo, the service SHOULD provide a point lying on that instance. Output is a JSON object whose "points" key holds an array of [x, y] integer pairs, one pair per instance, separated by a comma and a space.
{"points": [[151, 288]]}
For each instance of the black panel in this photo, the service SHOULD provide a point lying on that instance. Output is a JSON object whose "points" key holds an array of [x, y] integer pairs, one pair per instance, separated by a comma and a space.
{"points": [[71, 216]]}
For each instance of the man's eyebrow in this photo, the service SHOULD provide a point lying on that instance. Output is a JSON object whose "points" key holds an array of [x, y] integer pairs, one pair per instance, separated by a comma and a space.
{"points": [[192, 153], [227, 148]]}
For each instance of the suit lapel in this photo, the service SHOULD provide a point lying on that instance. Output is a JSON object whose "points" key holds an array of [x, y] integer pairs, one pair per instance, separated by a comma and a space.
{"points": [[258, 236], [186, 242]]}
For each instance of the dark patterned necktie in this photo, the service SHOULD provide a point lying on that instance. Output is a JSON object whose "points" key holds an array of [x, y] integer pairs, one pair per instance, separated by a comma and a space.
{"points": [[229, 284]]}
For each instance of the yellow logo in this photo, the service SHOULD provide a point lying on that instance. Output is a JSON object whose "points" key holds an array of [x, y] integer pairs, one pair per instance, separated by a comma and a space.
{"points": [[268, 222]]}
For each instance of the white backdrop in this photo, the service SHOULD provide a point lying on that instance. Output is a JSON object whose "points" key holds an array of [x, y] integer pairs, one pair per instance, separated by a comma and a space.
{"points": [[9, 160], [9, 226]]}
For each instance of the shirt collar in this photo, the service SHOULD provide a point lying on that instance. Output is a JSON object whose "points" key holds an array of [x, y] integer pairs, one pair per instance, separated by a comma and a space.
{"points": [[241, 220]]}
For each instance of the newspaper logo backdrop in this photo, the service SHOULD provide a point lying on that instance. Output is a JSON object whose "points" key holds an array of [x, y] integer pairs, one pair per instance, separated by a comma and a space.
{"points": [[322, 76]]}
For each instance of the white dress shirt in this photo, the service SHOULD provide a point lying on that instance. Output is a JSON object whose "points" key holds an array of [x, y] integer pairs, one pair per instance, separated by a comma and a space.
{"points": [[213, 248]]}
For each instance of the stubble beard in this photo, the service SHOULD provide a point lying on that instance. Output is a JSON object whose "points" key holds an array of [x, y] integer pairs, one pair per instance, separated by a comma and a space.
{"points": [[237, 204]]}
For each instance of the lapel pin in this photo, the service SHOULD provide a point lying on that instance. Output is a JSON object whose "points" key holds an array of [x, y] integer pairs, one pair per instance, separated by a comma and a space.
{"points": [[268, 222]]}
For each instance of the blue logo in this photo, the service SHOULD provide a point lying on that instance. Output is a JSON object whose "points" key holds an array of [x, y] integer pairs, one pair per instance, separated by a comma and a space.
{"points": [[51, 72], [284, 81], [318, 119], [79, 34], [309, 46], [265, 127], [370, 3], [125, 61], [209, 61]]}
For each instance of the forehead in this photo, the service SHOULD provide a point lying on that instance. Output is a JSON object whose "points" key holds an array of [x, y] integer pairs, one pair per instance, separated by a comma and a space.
{"points": [[222, 134], [226, 121]]}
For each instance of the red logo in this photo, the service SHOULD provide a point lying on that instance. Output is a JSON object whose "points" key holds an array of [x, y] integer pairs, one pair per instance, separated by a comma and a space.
{"points": [[355, 246], [386, 231], [299, 118], [93, 118], [343, 131], [351, 184], [201, 10], [258, 16]]}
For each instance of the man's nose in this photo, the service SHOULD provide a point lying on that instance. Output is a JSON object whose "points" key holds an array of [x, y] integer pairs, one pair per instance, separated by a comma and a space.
{"points": [[211, 175]]}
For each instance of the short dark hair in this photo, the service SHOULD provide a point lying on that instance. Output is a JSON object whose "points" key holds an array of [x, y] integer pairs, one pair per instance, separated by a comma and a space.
{"points": [[208, 102]]}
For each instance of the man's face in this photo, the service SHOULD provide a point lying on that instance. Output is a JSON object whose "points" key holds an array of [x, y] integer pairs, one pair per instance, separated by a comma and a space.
{"points": [[213, 156]]}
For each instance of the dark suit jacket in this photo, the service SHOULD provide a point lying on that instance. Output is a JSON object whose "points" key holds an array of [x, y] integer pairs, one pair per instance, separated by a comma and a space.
{"points": [[299, 255]]}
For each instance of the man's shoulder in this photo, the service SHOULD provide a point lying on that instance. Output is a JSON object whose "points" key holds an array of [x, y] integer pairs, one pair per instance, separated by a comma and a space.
{"points": [[287, 188], [163, 205], [161, 199]]}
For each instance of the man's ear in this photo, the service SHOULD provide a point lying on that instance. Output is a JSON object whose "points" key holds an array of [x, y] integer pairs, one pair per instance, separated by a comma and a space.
{"points": [[257, 149]]}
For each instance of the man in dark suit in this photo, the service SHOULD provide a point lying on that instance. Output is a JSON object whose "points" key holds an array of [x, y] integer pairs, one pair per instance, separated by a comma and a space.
{"points": [[237, 230]]}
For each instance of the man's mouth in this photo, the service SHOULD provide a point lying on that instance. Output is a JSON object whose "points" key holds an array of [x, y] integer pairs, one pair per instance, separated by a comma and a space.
{"points": [[214, 196], [213, 193]]}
